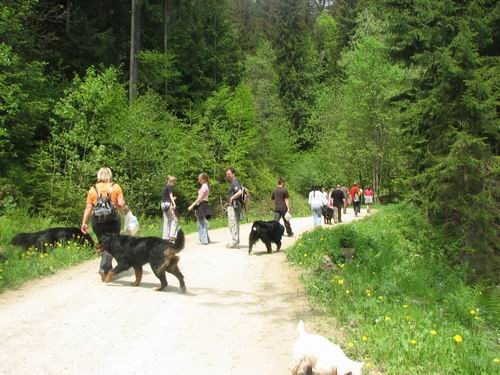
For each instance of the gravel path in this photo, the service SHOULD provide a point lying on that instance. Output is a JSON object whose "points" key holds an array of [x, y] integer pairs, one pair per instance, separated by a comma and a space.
{"points": [[238, 317]]}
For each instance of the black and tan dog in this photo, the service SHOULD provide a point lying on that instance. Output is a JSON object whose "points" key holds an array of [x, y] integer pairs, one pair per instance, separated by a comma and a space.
{"points": [[327, 213], [50, 237], [135, 252], [267, 232]]}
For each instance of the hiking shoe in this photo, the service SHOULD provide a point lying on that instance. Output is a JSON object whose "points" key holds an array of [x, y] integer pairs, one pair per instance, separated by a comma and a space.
{"points": [[290, 234]]}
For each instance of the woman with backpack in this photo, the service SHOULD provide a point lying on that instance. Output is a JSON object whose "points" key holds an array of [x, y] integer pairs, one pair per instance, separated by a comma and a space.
{"points": [[316, 203], [170, 220], [104, 201], [202, 209]]}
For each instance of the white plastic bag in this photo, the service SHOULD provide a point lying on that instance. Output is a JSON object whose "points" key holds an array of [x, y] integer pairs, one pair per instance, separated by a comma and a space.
{"points": [[288, 216], [131, 224]]}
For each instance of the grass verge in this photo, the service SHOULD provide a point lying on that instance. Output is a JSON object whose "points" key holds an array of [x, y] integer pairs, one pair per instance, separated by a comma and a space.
{"points": [[402, 306]]}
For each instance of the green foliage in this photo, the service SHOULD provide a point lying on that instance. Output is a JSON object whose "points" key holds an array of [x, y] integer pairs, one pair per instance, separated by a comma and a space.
{"points": [[398, 288]]}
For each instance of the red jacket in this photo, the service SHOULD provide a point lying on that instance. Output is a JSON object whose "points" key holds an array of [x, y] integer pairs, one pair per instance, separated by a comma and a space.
{"points": [[353, 190]]}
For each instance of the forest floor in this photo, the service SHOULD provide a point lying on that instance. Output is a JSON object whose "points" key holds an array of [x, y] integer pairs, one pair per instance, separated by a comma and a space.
{"points": [[239, 315]]}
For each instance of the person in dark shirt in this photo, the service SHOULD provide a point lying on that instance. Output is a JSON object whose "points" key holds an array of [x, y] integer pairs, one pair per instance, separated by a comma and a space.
{"points": [[234, 208], [338, 202], [281, 205]]}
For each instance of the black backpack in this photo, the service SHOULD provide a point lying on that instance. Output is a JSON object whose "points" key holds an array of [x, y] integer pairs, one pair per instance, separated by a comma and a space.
{"points": [[104, 210]]}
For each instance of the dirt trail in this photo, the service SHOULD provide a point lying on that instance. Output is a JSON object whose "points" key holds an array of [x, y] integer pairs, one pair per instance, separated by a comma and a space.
{"points": [[238, 317]]}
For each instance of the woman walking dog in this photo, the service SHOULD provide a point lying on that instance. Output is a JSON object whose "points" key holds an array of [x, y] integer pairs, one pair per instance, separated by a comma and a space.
{"points": [[202, 209], [104, 201]]}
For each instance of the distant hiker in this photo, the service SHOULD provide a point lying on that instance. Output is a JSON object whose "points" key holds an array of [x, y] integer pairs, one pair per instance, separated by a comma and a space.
{"points": [[346, 198], [368, 193], [316, 202], [281, 204], [338, 203], [234, 208], [355, 194]]}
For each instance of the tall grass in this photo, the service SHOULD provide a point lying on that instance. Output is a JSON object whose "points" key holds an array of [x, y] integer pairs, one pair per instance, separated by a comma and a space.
{"points": [[404, 308]]}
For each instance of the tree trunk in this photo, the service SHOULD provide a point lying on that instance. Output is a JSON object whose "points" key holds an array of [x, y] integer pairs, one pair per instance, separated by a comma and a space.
{"points": [[135, 40], [67, 17], [166, 16]]}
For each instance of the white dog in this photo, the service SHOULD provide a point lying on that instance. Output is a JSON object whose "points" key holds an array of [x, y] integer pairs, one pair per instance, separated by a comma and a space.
{"points": [[315, 353]]}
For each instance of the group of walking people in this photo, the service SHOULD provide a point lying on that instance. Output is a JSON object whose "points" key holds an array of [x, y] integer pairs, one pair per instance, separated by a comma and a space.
{"points": [[337, 200]]}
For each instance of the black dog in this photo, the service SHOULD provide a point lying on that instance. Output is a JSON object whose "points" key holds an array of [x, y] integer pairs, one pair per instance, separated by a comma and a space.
{"points": [[135, 252], [51, 237], [327, 213], [267, 232]]}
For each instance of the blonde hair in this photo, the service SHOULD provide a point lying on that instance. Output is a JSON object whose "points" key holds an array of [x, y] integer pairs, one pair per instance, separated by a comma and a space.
{"points": [[203, 176], [170, 180], [104, 175]]}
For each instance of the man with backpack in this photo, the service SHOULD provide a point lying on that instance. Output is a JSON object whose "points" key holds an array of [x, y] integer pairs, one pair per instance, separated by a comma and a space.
{"points": [[281, 205], [234, 208], [104, 200]]}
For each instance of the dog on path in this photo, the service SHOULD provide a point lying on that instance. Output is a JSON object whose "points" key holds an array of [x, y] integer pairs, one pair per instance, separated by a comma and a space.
{"points": [[135, 252], [314, 354], [267, 232], [50, 237]]}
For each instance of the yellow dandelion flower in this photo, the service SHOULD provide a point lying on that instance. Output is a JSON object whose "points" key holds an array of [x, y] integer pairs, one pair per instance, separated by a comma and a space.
{"points": [[413, 342], [387, 318], [473, 312], [405, 306], [368, 365], [407, 317], [364, 338], [458, 339], [350, 345], [347, 291], [381, 297], [341, 265], [433, 332], [477, 318], [496, 360], [340, 282], [305, 254]]}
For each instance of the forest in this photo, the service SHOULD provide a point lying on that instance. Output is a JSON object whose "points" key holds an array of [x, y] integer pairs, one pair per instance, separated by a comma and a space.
{"points": [[400, 95]]}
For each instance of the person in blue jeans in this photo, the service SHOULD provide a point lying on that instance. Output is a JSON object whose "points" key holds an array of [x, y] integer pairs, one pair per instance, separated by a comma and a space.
{"points": [[202, 209]]}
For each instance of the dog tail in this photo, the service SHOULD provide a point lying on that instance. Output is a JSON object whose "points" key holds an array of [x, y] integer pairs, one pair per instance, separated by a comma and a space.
{"points": [[300, 328], [179, 242]]}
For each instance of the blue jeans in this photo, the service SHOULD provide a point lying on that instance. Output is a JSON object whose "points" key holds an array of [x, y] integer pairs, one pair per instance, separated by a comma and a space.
{"points": [[316, 216], [202, 225]]}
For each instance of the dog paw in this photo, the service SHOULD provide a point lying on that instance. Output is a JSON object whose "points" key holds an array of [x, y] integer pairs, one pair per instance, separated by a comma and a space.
{"points": [[183, 289]]}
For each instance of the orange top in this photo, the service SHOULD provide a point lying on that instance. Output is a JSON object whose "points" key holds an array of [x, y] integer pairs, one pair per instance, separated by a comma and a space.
{"points": [[116, 193]]}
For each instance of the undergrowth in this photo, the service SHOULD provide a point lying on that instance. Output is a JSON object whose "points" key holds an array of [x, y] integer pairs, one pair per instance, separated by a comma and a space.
{"points": [[404, 308]]}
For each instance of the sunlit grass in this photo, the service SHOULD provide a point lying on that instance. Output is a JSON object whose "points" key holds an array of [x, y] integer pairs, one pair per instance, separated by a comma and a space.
{"points": [[404, 309]]}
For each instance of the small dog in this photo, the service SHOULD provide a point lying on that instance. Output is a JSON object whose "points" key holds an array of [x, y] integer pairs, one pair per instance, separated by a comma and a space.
{"points": [[267, 232], [40, 240], [327, 213], [314, 354], [135, 252]]}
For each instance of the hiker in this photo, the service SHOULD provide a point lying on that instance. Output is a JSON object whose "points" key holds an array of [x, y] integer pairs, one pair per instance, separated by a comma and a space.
{"points": [[170, 221], [355, 194], [281, 205], [202, 209], [338, 203], [316, 202], [104, 201], [234, 208], [368, 193], [346, 198]]}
